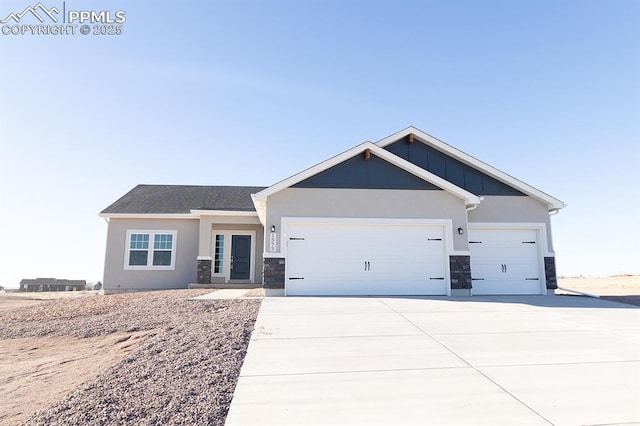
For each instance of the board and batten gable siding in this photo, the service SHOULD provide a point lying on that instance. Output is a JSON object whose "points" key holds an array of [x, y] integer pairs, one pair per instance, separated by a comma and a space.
{"points": [[523, 209], [374, 173], [450, 169], [119, 279], [367, 203]]}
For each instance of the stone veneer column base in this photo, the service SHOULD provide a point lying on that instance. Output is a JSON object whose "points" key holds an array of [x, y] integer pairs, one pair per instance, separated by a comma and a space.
{"points": [[460, 272], [204, 270], [273, 274], [550, 273]]}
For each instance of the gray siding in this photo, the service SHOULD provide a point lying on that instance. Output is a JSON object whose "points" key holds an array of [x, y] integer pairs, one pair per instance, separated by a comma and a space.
{"points": [[367, 203], [512, 210], [450, 169], [117, 279]]}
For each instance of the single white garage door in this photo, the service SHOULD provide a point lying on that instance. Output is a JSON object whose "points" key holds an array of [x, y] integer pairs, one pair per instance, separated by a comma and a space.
{"points": [[505, 261], [365, 259]]}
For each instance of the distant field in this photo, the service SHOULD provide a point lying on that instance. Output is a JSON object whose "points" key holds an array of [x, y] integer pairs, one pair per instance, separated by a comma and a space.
{"points": [[621, 285], [14, 299]]}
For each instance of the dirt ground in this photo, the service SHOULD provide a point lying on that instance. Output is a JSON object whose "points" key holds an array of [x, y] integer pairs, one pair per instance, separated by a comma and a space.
{"points": [[79, 358], [620, 288], [36, 372]]}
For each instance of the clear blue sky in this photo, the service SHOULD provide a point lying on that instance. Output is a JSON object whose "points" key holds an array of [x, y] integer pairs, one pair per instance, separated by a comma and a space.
{"points": [[251, 92]]}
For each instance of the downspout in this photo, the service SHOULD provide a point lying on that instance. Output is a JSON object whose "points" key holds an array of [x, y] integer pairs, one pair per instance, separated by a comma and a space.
{"points": [[553, 212]]}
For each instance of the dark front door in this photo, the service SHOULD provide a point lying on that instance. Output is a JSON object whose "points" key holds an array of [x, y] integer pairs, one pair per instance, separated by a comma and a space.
{"points": [[240, 257]]}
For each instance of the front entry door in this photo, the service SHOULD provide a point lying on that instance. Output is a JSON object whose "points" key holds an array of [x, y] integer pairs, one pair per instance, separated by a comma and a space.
{"points": [[240, 257]]}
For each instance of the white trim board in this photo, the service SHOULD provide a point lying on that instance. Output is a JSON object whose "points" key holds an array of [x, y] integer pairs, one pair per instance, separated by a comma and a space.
{"points": [[194, 214]]}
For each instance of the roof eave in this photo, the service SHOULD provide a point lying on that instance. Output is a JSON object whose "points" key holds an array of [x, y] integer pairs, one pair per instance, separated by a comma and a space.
{"points": [[147, 216]]}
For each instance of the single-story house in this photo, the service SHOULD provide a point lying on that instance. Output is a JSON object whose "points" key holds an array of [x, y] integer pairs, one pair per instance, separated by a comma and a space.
{"points": [[407, 215], [51, 284]]}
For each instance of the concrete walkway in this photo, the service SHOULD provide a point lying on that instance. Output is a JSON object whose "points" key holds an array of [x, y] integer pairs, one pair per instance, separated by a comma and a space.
{"points": [[223, 294], [482, 360]]}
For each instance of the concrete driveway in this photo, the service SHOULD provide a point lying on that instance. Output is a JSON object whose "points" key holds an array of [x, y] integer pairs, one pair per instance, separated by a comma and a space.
{"points": [[481, 360]]}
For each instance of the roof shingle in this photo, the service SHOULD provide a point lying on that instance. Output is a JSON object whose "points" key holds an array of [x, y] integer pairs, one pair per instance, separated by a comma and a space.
{"points": [[177, 199]]}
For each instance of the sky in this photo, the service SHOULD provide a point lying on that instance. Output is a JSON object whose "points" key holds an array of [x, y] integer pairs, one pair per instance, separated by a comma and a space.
{"points": [[252, 92]]}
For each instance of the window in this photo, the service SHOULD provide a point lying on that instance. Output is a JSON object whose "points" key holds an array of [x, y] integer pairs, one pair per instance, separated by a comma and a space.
{"points": [[162, 249], [138, 249], [150, 250], [218, 260]]}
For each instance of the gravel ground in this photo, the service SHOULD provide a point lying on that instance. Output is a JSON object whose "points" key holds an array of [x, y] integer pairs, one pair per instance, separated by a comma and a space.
{"points": [[183, 374]]}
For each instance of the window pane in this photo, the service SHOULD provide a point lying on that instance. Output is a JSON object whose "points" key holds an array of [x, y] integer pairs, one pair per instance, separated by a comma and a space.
{"points": [[139, 241], [219, 255], [161, 258], [138, 258], [163, 242]]}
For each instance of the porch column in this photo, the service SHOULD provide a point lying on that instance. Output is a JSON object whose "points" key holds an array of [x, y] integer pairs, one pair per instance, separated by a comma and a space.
{"points": [[204, 270]]}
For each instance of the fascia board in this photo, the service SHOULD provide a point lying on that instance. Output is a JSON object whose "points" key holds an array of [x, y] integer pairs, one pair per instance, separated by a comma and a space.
{"points": [[147, 216], [552, 202], [261, 208], [198, 212]]}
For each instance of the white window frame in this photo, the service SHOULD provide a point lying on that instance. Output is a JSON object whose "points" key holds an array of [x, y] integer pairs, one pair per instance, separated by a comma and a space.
{"points": [[150, 266], [226, 246]]}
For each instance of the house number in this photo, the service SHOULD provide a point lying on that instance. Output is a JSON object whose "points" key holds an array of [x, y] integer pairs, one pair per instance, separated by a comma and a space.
{"points": [[272, 242]]}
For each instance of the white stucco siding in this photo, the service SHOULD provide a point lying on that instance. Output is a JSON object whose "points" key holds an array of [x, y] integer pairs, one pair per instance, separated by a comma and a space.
{"points": [[118, 279], [512, 209], [367, 203]]}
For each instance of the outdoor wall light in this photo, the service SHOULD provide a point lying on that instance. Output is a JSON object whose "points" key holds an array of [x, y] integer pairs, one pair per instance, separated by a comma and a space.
{"points": [[273, 228], [460, 231]]}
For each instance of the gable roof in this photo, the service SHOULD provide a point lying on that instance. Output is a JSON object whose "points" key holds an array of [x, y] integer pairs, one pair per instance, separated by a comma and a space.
{"points": [[552, 203], [470, 199], [181, 199]]}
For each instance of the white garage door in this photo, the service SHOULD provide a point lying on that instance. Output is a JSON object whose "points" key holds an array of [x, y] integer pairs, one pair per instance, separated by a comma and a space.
{"points": [[365, 259], [505, 261]]}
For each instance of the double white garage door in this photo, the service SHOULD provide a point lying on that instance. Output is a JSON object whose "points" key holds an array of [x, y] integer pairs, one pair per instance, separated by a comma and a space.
{"points": [[357, 258], [366, 259]]}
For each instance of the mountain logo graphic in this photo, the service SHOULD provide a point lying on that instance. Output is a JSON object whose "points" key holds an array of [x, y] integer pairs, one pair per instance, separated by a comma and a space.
{"points": [[34, 11]]}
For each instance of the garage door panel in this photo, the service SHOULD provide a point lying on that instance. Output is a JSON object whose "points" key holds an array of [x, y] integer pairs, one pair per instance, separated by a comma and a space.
{"points": [[353, 258], [402, 287], [309, 287], [505, 261]]}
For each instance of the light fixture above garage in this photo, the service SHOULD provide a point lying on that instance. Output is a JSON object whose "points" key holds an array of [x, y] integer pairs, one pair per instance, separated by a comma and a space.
{"points": [[460, 231], [273, 228]]}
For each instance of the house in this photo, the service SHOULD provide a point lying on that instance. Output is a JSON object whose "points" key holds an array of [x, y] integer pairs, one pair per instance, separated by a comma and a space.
{"points": [[51, 284], [408, 215]]}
